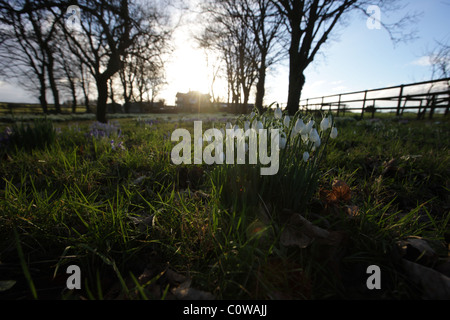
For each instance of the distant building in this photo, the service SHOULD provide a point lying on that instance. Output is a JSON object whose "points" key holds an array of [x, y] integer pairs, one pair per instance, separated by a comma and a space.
{"points": [[193, 101]]}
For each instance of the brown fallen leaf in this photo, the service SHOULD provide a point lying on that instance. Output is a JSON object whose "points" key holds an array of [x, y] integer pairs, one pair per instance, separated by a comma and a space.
{"points": [[435, 285], [185, 292], [301, 232], [417, 250], [340, 192], [352, 211]]}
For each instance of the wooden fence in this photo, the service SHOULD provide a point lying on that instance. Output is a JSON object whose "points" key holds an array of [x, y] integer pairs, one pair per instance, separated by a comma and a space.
{"points": [[428, 96]]}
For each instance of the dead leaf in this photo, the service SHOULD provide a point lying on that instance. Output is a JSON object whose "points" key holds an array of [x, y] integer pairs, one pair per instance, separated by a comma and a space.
{"points": [[6, 284], [352, 211], [435, 285], [417, 250], [341, 190], [175, 278], [185, 292], [301, 232], [391, 168]]}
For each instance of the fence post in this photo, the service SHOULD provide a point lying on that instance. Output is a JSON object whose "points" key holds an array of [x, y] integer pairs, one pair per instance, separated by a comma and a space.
{"points": [[364, 104], [373, 109], [448, 104], [432, 107], [321, 105], [399, 104], [339, 105], [419, 113]]}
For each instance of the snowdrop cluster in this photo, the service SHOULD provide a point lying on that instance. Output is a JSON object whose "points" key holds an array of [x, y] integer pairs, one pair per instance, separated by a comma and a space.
{"points": [[294, 133], [302, 134]]}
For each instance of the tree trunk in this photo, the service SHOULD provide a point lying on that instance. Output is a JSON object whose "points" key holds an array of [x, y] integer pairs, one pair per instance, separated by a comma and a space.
{"points": [[53, 86], [296, 77], [43, 102], [102, 89], [244, 105], [42, 98], [296, 82], [86, 102], [74, 102], [74, 94], [260, 88]]}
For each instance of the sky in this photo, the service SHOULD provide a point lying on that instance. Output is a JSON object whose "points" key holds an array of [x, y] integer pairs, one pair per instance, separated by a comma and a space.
{"points": [[357, 58]]}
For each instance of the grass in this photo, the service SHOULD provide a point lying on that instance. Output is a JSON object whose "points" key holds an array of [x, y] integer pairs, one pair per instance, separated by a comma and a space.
{"points": [[134, 222]]}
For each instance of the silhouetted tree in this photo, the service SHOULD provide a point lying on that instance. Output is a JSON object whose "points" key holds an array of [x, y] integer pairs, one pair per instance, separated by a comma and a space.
{"points": [[227, 34], [310, 23], [28, 51], [246, 33]]}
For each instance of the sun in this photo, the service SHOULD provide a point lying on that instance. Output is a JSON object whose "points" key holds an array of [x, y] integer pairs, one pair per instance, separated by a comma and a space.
{"points": [[188, 70], [192, 69]]}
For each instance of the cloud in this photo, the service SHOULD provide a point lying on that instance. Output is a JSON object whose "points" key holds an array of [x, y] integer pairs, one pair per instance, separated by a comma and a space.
{"points": [[424, 61], [339, 89]]}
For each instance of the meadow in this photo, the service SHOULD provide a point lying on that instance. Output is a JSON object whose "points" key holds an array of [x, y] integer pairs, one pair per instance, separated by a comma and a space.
{"points": [[108, 198]]}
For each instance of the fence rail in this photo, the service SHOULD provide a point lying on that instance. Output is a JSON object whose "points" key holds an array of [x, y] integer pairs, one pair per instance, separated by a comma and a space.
{"points": [[428, 96]]}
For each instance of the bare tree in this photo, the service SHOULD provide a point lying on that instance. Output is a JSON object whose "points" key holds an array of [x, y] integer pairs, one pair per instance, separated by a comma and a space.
{"points": [[246, 33], [228, 34], [266, 25], [69, 76], [310, 24], [143, 65], [28, 32], [108, 30], [439, 60]]}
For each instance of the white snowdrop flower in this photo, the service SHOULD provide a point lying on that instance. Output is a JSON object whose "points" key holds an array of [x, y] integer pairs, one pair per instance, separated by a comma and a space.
{"points": [[305, 138], [308, 127], [314, 135], [286, 121], [299, 125], [277, 113], [324, 124], [305, 156], [317, 143], [283, 140], [333, 133], [246, 125], [259, 125]]}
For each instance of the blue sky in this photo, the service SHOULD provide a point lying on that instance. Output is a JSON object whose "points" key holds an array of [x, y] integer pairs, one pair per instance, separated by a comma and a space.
{"points": [[361, 58], [358, 58]]}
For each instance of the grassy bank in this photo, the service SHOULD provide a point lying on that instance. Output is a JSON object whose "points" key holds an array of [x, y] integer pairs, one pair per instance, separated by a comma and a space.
{"points": [[109, 199]]}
